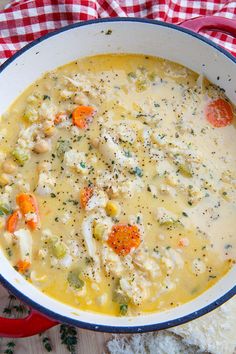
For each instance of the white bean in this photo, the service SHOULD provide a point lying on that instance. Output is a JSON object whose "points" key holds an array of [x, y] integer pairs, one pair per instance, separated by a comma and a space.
{"points": [[9, 166], [41, 146]]}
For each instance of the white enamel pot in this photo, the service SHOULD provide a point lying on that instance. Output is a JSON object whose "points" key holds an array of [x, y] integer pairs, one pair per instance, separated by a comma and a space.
{"points": [[114, 36]]}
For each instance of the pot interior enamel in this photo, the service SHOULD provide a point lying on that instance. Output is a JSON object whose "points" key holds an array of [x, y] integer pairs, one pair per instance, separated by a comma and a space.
{"points": [[124, 36]]}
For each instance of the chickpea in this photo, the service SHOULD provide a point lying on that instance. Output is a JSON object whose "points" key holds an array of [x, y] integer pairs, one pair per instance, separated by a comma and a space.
{"points": [[95, 142], [9, 166], [41, 146], [4, 179], [48, 129]]}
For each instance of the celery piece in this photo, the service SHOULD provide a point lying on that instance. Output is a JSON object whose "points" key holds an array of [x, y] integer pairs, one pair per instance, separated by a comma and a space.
{"points": [[30, 114], [5, 209], [74, 279], [185, 170], [20, 155], [123, 309], [59, 250]]}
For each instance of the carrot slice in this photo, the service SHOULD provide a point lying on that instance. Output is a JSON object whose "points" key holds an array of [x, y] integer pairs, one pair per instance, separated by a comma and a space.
{"points": [[85, 194], [123, 238], [12, 221], [23, 266], [28, 204], [219, 113], [82, 116]]}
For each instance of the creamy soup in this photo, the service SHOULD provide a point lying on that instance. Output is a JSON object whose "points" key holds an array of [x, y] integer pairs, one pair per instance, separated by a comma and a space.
{"points": [[118, 181]]}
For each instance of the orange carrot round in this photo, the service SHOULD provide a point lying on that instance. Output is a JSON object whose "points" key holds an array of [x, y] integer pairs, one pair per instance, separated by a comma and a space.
{"points": [[28, 204], [123, 238], [82, 116], [23, 266], [85, 194], [12, 221], [219, 113]]}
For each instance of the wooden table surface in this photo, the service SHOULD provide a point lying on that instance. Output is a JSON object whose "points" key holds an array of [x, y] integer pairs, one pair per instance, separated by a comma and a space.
{"points": [[88, 343]]}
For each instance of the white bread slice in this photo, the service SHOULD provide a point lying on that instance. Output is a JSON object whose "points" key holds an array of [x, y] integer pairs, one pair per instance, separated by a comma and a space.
{"points": [[213, 333], [162, 342]]}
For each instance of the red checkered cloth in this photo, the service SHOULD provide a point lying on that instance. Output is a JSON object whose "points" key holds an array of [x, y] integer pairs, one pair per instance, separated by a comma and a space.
{"points": [[23, 21]]}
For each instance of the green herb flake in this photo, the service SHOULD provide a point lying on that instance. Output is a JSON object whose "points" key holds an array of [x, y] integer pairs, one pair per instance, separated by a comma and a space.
{"points": [[46, 97], [108, 32], [47, 343], [128, 153], [228, 246], [123, 309], [131, 75], [82, 164], [69, 337], [137, 171]]}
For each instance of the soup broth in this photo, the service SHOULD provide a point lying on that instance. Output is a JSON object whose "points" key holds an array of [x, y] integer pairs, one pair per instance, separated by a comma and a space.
{"points": [[118, 181]]}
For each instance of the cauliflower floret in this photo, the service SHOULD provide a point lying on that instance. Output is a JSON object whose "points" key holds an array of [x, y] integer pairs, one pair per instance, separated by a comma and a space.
{"points": [[119, 184], [153, 189], [46, 183], [87, 232], [65, 218], [22, 185], [167, 285], [76, 160], [168, 263], [27, 135], [130, 187], [125, 133], [47, 110], [165, 216], [146, 264], [93, 270], [176, 257], [136, 287], [99, 199], [112, 152], [112, 262], [25, 243], [198, 266]]}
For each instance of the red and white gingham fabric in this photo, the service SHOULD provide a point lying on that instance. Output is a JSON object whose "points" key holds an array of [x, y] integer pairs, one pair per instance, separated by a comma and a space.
{"points": [[23, 21]]}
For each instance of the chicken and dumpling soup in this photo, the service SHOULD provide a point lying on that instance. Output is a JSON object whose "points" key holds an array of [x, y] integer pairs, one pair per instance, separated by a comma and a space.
{"points": [[118, 184]]}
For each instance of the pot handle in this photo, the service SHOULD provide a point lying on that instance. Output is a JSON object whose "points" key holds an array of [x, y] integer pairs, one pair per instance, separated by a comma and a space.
{"points": [[34, 323], [218, 23]]}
